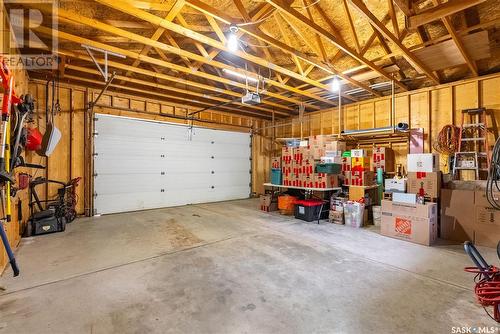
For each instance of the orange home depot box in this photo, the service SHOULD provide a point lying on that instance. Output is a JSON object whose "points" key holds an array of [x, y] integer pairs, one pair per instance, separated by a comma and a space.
{"points": [[382, 157], [416, 223]]}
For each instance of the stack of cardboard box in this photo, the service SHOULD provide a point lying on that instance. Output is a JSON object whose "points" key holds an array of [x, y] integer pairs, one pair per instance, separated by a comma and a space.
{"points": [[423, 172], [360, 173], [466, 214], [287, 162], [298, 164], [382, 157]]}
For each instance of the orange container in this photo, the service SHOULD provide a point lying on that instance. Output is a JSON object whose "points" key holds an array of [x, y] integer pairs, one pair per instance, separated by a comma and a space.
{"points": [[286, 204]]}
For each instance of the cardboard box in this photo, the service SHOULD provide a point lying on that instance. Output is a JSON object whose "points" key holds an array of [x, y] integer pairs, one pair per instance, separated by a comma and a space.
{"points": [[361, 178], [382, 157], [335, 146], [337, 203], [346, 164], [487, 236], [322, 180], [356, 193], [332, 160], [395, 185], [358, 153], [360, 164], [287, 154], [266, 200], [423, 162], [317, 151], [431, 183], [276, 162], [332, 153], [336, 217], [414, 223], [457, 215], [302, 153], [347, 178]]}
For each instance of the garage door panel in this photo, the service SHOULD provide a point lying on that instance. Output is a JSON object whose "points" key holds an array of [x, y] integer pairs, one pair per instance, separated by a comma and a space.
{"points": [[145, 164]]}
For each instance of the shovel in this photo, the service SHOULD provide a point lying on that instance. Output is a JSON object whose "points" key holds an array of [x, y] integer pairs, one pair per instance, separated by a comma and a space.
{"points": [[52, 134]]}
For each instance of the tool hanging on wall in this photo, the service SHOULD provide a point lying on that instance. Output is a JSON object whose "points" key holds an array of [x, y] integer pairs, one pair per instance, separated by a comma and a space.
{"points": [[52, 135], [9, 99]]}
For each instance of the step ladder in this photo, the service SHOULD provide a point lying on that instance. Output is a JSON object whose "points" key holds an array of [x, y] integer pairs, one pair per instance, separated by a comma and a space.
{"points": [[473, 148]]}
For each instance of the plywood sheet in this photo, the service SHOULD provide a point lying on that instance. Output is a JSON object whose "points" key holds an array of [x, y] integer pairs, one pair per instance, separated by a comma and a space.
{"points": [[446, 54]]}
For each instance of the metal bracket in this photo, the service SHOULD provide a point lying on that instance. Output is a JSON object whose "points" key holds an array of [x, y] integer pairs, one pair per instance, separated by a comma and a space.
{"points": [[104, 71]]}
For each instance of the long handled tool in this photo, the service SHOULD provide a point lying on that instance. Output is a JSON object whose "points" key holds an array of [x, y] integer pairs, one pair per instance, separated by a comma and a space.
{"points": [[9, 97]]}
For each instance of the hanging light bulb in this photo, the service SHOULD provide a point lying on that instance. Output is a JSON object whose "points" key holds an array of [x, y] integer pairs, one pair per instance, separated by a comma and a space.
{"points": [[232, 40], [335, 86]]}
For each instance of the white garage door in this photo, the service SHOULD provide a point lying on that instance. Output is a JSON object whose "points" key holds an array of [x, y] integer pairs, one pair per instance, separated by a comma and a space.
{"points": [[145, 164]]}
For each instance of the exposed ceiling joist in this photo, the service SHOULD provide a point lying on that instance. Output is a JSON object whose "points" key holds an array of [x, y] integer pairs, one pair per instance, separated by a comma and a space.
{"points": [[329, 36], [440, 11], [364, 11], [280, 45], [153, 19]]}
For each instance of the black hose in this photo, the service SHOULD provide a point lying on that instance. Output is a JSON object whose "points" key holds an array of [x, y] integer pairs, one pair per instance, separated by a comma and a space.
{"points": [[493, 183]]}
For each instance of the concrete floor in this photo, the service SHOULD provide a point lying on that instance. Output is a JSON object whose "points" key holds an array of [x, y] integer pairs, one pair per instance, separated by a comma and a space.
{"points": [[229, 268]]}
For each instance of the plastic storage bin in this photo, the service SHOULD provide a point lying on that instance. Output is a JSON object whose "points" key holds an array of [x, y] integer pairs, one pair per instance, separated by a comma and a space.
{"points": [[329, 168], [286, 204], [276, 176], [354, 213], [309, 209]]}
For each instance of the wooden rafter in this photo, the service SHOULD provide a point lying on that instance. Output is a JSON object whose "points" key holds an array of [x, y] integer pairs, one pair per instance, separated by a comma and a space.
{"points": [[176, 8], [439, 11], [76, 18], [329, 36], [153, 19], [176, 90], [458, 42], [284, 47], [351, 26], [154, 61], [394, 18], [363, 10]]}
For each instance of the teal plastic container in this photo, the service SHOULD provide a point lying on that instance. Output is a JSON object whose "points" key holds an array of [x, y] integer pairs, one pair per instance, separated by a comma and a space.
{"points": [[276, 176], [328, 168]]}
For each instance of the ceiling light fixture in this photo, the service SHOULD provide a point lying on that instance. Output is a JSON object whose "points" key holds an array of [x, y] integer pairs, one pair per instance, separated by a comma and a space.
{"points": [[335, 85], [240, 75], [232, 40]]}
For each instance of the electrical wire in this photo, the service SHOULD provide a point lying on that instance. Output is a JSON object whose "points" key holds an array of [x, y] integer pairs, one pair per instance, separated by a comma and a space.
{"points": [[493, 182], [447, 140]]}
